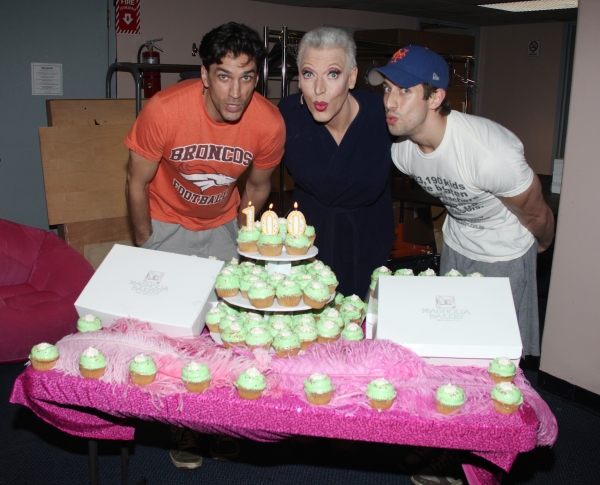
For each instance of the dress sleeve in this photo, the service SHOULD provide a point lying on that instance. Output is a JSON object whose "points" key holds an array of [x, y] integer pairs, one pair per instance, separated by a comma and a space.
{"points": [[149, 132], [506, 172]]}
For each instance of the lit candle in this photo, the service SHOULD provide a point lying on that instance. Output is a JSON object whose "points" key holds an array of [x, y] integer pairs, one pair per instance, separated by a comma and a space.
{"points": [[249, 211], [296, 224], [269, 222]]}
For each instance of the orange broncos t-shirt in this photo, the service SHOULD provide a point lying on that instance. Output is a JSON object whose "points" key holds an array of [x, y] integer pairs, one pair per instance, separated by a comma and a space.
{"points": [[199, 159]]}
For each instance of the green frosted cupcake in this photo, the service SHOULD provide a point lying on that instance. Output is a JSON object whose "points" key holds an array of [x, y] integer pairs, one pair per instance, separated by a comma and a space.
{"points": [[227, 308], [352, 331], [506, 397], [351, 313], [309, 232], [276, 278], [328, 278], [502, 369], [357, 302], [427, 272], [92, 363], [297, 245], [333, 315], [246, 282], [286, 343], [270, 245], [250, 384], [316, 267], [227, 284], [304, 279], [475, 275], [288, 293], [228, 320], [247, 240], [404, 272], [278, 325], [303, 319], [453, 273], [328, 330], [261, 294], [449, 398], [234, 336], [297, 270], [381, 394], [43, 356], [88, 323], [247, 266], [308, 335], [253, 320], [339, 298], [196, 376], [142, 370], [316, 295], [260, 272], [259, 337], [213, 317], [318, 389]]}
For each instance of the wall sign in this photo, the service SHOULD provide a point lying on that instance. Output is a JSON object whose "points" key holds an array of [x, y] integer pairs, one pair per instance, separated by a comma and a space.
{"points": [[533, 48], [127, 15], [46, 79]]}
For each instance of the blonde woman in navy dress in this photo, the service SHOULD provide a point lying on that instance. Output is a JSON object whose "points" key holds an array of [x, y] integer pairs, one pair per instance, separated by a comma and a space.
{"points": [[338, 151]]}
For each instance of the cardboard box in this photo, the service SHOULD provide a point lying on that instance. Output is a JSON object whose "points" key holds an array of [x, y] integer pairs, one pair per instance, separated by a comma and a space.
{"points": [[170, 291], [445, 320]]}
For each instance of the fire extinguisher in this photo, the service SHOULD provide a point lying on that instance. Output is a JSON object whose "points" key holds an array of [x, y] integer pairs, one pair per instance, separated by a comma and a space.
{"points": [[150, 79]]}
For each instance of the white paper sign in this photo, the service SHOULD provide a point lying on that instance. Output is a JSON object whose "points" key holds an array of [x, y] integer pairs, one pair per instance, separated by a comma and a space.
{"points": [[46, 79]]}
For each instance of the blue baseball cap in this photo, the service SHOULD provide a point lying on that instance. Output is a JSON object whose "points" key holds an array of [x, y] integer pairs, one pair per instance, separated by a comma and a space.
{"points": [[413, 65]]}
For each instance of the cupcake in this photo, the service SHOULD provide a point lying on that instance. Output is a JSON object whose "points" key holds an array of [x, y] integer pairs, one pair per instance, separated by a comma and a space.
{"points": [[308, 335], [227, 284], [328, 278], [453, 273], [246, 282], [316, 295], [92, 363], [261, 294], [227, 321], [304, 279], [502, 370], [278, 325], [234, 267], [247, 240], [427, 272], [333, 315], [275, 278], [357, 302], [270, 245], [351, 313], [88, 323], [259, 271], [309, 232], [506, 397], [318, 389], [381, 271], [316, 267], [259, 338], [352, 331], [303, 319], [449, 398], [213, 317], [228, 309], [252, 320], [142, 370], [404, 272], [328, 331], [196, 376], [247, 266], [43, 356], [288, 293], [286, 343], [297, 245], [234, 336], [475, 275], [381, 394], [337, 301], [250, 384], [297, 270]]}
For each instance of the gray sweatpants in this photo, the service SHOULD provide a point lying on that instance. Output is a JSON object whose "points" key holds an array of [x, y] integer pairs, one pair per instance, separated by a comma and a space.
{"points": [[523, 283], [219, 242]]}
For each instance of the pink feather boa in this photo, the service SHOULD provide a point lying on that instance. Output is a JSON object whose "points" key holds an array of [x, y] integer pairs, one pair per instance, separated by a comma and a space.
{"points": [[351, 366]]}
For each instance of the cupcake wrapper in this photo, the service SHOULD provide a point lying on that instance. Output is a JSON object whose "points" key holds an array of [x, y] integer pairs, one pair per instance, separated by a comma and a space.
{"points": [[140, 379], [380, 404], [213, 327], [305, 344], [317, 305], [43, 364], [197, 386], [505, 408], [327, 340], [270, 250], [248, 247], [498, 378], [228, 345], [319, 399], [262, 302], [249, 394], [293, 251], [289, 301], [227, 293], [287, 352], [442, 408], [91, 373]]}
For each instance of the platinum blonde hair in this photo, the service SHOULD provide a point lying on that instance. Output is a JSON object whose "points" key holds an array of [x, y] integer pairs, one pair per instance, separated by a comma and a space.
{"points": [[329, 38]]}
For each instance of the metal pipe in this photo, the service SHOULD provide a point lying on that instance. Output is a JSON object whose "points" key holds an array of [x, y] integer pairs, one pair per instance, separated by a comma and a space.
{"points": [[93, 454]]}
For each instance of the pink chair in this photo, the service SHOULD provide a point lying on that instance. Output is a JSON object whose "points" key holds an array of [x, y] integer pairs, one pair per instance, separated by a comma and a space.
{"points": [[41, 276]]}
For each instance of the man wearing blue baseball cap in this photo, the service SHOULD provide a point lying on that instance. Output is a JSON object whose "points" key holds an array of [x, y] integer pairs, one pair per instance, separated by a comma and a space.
{"points": [[498, 220]]}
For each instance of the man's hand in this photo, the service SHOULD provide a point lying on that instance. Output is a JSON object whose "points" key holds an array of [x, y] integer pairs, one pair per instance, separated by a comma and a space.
{"points": [[140, 173], [533, 213], [258, 188]]}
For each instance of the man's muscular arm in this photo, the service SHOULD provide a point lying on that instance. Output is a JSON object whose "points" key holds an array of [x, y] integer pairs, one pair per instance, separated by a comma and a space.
{"points": [[533, 213], [140, 173], [258, 188]]}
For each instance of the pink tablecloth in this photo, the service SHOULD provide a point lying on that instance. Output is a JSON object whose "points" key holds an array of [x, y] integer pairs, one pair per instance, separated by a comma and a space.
{"points": [[100, 408]]}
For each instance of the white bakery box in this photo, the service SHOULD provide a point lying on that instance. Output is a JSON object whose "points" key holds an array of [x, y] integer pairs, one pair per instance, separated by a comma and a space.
{"points": [[170, 291], [447, 320]]}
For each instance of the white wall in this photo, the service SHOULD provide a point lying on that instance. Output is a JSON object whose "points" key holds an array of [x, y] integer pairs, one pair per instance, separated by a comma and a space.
{"points": [[572, 329]]}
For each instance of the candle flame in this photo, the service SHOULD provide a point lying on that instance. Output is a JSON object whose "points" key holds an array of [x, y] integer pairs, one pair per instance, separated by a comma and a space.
{"points": [[295, 205], [249, 203], [270, 206]]}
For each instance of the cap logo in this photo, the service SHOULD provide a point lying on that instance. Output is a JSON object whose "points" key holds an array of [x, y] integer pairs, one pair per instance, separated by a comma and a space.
{"points": [[436, 77], [400, 54]]}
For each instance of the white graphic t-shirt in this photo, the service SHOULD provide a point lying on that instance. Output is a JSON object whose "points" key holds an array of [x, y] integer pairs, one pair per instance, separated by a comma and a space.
{"points": [[477, 161]]}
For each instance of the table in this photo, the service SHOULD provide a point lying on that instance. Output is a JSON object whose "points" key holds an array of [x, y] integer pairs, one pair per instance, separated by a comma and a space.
{"points": [[97, 409]]}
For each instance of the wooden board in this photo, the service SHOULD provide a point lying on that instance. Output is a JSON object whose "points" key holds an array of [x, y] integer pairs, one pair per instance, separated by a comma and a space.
{"points": [[85, 170], [92, 112]]}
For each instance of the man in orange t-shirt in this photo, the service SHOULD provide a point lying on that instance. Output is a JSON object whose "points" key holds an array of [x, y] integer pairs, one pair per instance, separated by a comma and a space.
{"points": [[193, 140]]}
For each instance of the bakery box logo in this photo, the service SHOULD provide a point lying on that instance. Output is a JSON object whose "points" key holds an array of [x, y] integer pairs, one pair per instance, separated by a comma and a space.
{"points": [[445, 310], [150, 285]]}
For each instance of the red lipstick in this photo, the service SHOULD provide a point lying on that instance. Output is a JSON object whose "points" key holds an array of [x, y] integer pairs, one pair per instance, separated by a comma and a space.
{"points": [[320, 105]]}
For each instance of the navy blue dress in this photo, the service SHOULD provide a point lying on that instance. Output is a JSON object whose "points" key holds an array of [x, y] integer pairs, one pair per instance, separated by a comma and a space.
{"points": [[344, 191]]}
